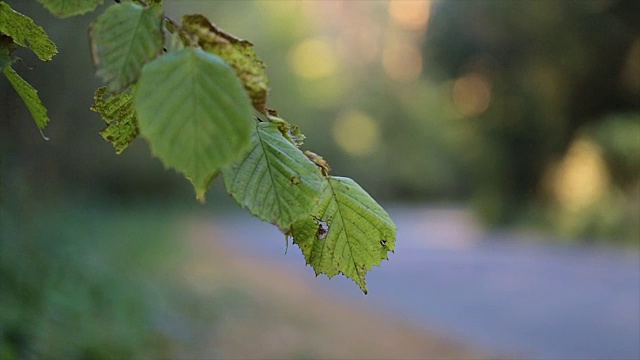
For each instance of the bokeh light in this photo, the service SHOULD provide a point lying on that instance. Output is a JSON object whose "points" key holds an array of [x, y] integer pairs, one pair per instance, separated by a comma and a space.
{"points": [[582, 177], [314, 58], [356, 133], [410, 14], [471, 94], [402, 62]]}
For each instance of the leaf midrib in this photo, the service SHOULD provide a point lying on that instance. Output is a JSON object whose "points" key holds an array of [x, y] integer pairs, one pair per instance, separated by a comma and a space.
{"points": [[270, 173], [130, 47], [344, 229]]}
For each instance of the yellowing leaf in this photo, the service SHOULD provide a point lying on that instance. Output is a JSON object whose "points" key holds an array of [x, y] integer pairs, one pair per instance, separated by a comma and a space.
{"points": [[347, 232], [67, 8], [275, 181], [319, 161], [118, 113], [123, 39], [30, 97], [194, 113], [289, 131], [26, 33], [237, 53]]}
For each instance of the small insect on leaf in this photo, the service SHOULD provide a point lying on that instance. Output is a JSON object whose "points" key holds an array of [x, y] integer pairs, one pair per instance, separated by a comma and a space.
{"points": [[345, 231]]}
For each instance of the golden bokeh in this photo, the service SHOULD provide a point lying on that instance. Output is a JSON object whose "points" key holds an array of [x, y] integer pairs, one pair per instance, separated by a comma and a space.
{"points": [[314, 58], [582, 177], [410, 14], [402, 62], [356, 133], [471, 94]]}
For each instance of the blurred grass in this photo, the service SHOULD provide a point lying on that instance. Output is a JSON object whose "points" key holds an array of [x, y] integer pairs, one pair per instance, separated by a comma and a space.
{"points": [[91, 281]]}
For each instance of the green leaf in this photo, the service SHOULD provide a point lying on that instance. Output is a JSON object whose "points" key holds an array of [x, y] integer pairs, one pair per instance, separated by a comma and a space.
{"points": [[275, 181], [118, 113], [30, 97], [195, 114], [123, 39], [26, 33], [236, 52], [347, 232], [67, 8]]}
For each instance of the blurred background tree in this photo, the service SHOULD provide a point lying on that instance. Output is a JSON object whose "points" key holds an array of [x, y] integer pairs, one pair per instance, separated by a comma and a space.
{"points": [[552, 89]]}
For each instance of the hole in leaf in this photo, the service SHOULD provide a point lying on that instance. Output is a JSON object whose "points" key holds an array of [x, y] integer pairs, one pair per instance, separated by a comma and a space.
{"points": [[323, 229], [383, 242]]}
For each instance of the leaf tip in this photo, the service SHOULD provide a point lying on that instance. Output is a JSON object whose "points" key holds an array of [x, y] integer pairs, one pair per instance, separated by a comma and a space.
{"points": [[200, 192], [44, 137], [286, 242], [362, 285]]}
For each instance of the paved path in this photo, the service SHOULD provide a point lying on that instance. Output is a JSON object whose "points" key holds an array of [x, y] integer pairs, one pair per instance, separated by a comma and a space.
{"points": [[511, 295]]}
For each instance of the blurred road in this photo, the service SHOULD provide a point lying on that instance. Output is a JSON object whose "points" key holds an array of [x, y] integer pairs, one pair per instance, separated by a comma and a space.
{"points": [[505, 293]]}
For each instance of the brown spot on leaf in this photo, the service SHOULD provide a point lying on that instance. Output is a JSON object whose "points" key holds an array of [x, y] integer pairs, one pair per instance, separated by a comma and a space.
{"points": [[319, 161]]}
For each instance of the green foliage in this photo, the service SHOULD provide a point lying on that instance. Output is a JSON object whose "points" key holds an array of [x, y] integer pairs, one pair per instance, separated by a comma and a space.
{"points": [[236, 52], [119, 55], [619, 137], [19, 30], [347, 232], [67, 8], [26, 33], [99, 287], [275, 181], [195, 114], [30, 97], [561, 68], [195, 105], [117, 111]]}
